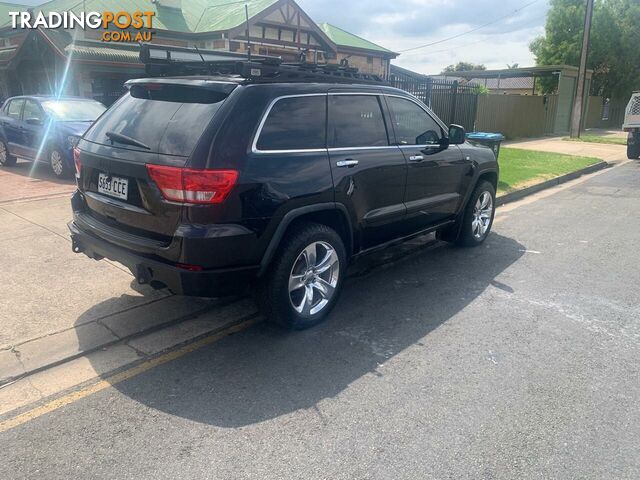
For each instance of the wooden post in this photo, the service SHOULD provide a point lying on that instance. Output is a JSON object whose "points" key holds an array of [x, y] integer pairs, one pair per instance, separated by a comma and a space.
{"points": [[576, 118]]}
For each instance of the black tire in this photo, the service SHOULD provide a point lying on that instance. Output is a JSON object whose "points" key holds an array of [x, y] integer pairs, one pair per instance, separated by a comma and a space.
{"points": [[272, 293], [467, 236], [633, 152], [58, 165], [6, 160]]}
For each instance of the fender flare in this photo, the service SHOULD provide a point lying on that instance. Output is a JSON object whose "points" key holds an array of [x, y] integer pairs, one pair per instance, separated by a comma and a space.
{"points": [[294, 214]]}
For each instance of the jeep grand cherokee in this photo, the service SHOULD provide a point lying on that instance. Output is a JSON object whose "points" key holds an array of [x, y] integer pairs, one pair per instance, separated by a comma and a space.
{"points": [[209, 184]]}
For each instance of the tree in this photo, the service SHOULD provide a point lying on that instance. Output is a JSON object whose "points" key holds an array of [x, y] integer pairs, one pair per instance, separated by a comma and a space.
{"points": [[463, 67], [614, 55]]}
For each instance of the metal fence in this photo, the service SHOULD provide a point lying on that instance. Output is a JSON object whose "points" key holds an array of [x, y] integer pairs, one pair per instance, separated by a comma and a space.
{"points": [[450, 100]]}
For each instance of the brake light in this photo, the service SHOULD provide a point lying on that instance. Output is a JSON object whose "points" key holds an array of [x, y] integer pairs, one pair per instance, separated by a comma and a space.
{"points": [[76, 161], [188, 185]]}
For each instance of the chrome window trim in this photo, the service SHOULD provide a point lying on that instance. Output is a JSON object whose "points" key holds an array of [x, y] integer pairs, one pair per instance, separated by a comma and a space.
{"points": [[408, 96], [256, 137]]}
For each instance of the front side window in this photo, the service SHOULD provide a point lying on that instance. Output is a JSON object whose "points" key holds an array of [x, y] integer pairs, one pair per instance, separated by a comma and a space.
{"points": [[296, 123], [412, 125], [15, 108], [32, 111], [356, 121]]}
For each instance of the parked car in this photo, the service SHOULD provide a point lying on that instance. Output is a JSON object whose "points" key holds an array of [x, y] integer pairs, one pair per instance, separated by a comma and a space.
{"points": [[45, 129], [632, 126], [206, 185]]}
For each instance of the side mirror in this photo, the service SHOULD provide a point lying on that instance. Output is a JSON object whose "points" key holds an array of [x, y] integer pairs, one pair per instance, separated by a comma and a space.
{"points": [[457, 135], [34, 121]]}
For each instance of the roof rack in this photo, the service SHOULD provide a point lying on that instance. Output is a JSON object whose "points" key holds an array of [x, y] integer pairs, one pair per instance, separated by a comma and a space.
{"points": [[162, 61]]}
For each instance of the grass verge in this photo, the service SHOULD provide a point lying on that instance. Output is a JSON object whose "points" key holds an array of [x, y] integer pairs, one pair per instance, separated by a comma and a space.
{"points": [[523, 168], [598, 139]]}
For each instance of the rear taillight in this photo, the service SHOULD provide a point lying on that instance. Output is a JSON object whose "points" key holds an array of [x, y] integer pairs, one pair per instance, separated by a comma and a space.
{"points": [[188, 185], [76, 161]]}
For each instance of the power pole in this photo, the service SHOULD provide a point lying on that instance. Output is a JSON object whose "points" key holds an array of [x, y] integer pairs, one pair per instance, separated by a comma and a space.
{"points": [[576, 118]]}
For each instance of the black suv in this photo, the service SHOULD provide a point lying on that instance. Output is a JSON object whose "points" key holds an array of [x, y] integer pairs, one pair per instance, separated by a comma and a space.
{"points": [[209, 184]]}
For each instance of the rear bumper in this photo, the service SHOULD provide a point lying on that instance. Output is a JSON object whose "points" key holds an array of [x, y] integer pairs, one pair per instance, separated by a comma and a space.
{"points": [[206, 283]]}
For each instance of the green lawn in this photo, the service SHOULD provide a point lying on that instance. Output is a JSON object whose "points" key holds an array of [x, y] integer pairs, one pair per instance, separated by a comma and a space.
{"points": [[598, 139], [523, 168]]}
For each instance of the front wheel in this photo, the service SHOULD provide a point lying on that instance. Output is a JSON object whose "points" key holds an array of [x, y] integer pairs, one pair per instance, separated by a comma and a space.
{"points": [[478, 216], [58, 164], [305, 279]]}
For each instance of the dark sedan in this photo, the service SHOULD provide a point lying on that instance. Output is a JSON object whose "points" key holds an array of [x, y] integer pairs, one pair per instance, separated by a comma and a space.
{"points": [[45, 129]]}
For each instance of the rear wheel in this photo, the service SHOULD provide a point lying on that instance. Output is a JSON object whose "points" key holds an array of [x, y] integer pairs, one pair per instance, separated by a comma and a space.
{"points": [[478, 216], [633, 152], [6, 160], [305, 278], [58, 164]]}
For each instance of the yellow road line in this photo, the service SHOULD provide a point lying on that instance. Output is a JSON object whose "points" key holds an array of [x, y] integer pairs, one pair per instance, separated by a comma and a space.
{"points": [[120, 377]]}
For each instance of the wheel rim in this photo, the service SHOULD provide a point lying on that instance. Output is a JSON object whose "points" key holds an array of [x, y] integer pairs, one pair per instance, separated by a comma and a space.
{"points": [[3, 153], [313, 278], [56, 162], [482, 213]]}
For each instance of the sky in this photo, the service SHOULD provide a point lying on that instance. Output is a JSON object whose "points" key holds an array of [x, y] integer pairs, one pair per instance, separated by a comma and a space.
{"points": [[403, 24]]}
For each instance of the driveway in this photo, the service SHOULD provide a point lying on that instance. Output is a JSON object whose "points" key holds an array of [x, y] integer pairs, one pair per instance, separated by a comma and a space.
{"points": [[518, 359]]}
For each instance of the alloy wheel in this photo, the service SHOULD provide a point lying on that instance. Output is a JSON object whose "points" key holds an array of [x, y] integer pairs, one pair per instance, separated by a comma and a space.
{"points": [[56, 162], [3, 153], [313, 278], [482, 213]]}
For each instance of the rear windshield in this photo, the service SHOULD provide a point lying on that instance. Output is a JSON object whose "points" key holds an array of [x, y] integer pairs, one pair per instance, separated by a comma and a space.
{"points": [[166, 119]]}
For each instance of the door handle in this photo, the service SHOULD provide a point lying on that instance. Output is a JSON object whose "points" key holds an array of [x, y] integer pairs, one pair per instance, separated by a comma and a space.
{"points": [[416, 158], [347, 163]]}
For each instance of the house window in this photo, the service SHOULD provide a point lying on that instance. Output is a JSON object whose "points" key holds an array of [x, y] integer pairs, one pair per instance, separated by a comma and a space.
{"points": [[370, 60]]}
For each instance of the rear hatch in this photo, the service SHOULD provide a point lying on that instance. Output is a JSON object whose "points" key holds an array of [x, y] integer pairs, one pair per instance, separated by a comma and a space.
{"points": [[157, 123]]}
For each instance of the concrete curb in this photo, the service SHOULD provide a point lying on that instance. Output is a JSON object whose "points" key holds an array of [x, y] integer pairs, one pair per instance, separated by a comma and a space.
{"points": [[520, 194], [165, 321]]}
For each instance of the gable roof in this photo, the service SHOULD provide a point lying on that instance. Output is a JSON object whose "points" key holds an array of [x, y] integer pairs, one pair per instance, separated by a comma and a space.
{"points": [[345, 39]]}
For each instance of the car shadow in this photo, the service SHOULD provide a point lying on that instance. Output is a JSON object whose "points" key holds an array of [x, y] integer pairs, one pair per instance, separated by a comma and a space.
{"points": [[390, 302]]}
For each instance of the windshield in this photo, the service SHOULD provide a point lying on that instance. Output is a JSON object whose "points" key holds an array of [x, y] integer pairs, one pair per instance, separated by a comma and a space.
{"points": [[74, 110]]}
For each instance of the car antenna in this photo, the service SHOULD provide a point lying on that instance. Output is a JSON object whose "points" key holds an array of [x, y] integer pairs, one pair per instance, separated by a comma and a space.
{"points": [[246, 14], [201, 57]]}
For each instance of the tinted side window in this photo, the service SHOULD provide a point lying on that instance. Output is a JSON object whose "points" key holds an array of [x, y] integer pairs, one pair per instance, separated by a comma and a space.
{"points": [[14, 108], [413, 126], [356, 121], [32, 110], [297, 123]]}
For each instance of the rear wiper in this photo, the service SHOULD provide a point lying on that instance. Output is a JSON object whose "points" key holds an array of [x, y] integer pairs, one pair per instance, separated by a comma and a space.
{"points": [[118, 137]]}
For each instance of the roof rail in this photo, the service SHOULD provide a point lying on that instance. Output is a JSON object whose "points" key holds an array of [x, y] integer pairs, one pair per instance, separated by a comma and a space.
{"points": [[162, 61]]}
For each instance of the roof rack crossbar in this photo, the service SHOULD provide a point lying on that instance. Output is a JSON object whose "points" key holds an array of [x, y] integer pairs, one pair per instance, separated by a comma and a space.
{"points": [[161, 60]]}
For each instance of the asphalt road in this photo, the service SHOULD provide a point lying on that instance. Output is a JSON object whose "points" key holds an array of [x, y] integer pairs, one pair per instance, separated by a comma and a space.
{"points": [[519, 359]]}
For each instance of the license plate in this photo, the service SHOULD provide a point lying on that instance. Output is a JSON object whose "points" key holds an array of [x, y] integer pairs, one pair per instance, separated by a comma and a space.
{"points": [[113, 186]]}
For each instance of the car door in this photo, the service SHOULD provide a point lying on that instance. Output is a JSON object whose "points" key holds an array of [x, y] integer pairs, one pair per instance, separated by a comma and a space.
{"points": [[369, 173], [33, 127], [12, 125], [436, 173]]}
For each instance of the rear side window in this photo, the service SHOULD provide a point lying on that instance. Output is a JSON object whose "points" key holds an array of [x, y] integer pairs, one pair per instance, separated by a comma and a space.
{"points": [[356, 121], [296, 123], [412, 125], [15, 108], [169, 119]]}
